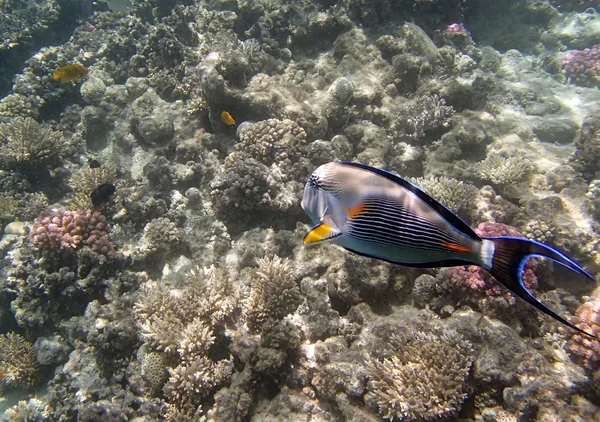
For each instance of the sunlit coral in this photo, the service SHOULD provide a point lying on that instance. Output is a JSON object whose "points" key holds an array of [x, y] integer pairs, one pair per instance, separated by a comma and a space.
{"points": [[424, 380]]}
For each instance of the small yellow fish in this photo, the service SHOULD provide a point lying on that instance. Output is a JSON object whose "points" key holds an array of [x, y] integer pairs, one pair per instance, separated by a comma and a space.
{"points": [[227, 118], [70, 72]]}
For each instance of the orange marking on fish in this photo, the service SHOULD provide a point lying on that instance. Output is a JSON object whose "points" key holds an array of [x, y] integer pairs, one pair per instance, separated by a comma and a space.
{"points": [[355, 211], [70, 72], [227, 118], [457, 248]]}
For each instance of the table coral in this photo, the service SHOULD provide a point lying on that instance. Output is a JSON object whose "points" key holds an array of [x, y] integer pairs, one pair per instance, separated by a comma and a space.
{"points": [[67, 231]]}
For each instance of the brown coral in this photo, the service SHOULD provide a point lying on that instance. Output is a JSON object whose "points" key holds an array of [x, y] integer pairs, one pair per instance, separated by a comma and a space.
{"points": [[274, 292], [584, 349], [25, 140], [18, 363], [87, 179], [423, 380]]}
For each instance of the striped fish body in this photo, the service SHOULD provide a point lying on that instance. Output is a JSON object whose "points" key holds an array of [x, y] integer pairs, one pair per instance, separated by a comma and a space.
{"points": [[374, 213]]}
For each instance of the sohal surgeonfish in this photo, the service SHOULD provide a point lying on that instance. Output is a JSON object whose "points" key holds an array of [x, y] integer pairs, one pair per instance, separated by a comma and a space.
{"points": [[377, 214]]}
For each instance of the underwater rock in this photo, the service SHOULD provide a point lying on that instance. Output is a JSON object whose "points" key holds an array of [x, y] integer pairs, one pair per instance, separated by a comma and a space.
{"points": [[152, 119]]}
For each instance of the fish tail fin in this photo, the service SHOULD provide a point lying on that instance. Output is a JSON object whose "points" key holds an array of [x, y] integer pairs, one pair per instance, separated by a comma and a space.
{"points": [[510, 256]]}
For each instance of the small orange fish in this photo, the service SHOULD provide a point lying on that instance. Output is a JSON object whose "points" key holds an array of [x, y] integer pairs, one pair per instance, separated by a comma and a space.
{"points": [[227, 118], [70, 72]]}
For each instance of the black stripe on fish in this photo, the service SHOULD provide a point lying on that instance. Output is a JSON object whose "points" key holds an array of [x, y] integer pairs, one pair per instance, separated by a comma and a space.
{"points": [[448, 215], [402, 229], [394, 237]]}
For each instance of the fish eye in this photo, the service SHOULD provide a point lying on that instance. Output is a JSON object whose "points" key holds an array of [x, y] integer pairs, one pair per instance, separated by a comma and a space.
{"points": [[314, 181]]}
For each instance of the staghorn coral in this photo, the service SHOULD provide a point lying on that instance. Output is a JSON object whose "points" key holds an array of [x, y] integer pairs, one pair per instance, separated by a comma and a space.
{"points": [[428, 112], [67, 231], [274, 292], [24, 140], [453, 193], [424, 378], [163, 313], [584, 349], [501, 171], [182, 325], [87, 179], [18, 363]]}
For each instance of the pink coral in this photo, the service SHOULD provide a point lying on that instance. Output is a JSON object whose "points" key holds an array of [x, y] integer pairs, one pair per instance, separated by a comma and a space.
{"points": [[582, 63], [459, 29], [476, 278], [583, 348], [68, 231]]}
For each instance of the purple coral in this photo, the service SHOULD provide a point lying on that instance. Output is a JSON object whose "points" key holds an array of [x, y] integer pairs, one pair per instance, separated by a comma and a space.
{"points": [[68, 231], [582, 65], [476, 278]]}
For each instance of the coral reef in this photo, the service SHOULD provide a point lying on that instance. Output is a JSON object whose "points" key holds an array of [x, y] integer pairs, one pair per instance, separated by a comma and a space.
{"points": [[583, 66], [274, 293], [67, 231], [584, 349], [453, 193], [191, 296], [427, 113], [24, 140], [18, 363], [422, 379]]}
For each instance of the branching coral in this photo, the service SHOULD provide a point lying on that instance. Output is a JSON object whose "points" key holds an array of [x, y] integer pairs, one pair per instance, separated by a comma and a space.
{"points": [[427, 113], [274, 292], [25, 140], [87, 179], [453, 193], [423, 380], [584, 349], [18, 363], [68, 231], [502, 171], [182, 325], [171, 320]]}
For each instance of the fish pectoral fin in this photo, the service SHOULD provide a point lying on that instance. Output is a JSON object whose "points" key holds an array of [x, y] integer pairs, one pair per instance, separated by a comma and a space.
{"points": [[320, 233]]}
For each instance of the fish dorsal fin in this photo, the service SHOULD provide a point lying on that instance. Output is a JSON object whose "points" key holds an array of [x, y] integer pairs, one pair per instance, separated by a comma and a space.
{"points": [[448, 215], [321, 233]]}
